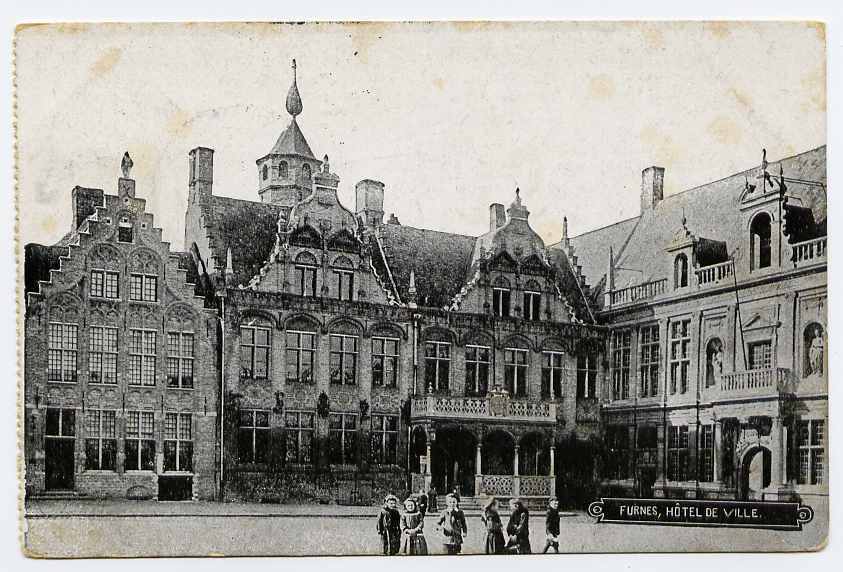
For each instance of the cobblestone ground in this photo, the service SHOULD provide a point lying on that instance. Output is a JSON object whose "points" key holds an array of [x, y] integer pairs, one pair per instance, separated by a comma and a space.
{"points": [[270, 532]]}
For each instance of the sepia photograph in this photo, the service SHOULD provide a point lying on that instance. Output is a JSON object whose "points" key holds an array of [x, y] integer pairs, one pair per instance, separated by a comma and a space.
{"points": [[421, 288]]}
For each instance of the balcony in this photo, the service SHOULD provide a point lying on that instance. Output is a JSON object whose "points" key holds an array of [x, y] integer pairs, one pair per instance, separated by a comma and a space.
{"points": [[810, 252], [715, 274], [638, 292], [482, 408], [756, 383]]}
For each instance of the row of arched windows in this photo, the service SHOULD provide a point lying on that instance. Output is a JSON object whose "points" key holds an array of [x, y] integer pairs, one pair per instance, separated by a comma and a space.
{"points": [[284, 170], [502, 299]]}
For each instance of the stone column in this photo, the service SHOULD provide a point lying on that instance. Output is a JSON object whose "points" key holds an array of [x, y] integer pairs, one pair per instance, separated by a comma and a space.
{"points": [[516, 480], [427, 472], [552, 460], [776, 457], [478, 472], [718, 436]]}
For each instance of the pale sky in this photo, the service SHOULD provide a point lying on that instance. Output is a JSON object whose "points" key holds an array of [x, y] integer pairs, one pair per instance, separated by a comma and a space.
{"points": [[450, 117]]}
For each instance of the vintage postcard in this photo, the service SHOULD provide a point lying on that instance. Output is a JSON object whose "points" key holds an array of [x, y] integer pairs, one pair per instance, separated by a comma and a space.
{"points": [[422, 288]]}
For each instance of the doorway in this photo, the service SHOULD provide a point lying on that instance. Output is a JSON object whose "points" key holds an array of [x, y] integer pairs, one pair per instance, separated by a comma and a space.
{"points": [[755, 473], [453, 461], [59, 448]]}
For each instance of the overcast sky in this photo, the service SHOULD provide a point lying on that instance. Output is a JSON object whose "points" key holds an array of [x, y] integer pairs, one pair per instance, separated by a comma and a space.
{"points": [[449, 117]]}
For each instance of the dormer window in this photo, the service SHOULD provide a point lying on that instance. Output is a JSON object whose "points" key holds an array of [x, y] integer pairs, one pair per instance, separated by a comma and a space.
{"points": [[760, 242], [680, 271], [500, 297], [532, 301], [305, 274], [343, 271], [124, 230]]}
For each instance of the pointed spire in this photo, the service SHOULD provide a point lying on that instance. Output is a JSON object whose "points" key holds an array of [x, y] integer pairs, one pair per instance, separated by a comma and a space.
{"points": [[411, 290], [564, 228], [229, 265], [294, 106], [782, 186]]}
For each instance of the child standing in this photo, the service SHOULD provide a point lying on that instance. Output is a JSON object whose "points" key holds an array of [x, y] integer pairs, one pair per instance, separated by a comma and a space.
{"points": [[412, 528], [389, 526], [518, 528], [495, 543], [551, 526], [453, 526]]}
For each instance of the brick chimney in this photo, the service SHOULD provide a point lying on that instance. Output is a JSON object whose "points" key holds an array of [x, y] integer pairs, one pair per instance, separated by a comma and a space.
{"points": [[652, 187], [497, 216], [201, 173], [368, 196]]}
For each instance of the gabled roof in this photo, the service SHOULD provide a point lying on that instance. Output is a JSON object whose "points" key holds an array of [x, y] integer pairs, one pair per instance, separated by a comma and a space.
{"points": [[441, 261], [712, 211], [292, 142]]}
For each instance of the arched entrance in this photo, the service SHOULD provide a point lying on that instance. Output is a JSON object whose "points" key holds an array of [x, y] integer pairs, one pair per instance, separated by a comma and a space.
{"points": [[533, 455], [452, 466], [755, 472], [498, 453]]}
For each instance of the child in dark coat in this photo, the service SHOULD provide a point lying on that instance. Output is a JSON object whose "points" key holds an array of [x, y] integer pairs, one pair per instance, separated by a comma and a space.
{"points": [[551, 526], [389, 526], [412, 527], [453, 526], [495, 543], [518, 527]]}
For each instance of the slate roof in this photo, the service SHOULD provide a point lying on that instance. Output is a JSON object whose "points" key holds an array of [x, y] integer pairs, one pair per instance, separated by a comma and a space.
{"points": [[442, 262], [292, 142], [712, 211], [247, 227]]}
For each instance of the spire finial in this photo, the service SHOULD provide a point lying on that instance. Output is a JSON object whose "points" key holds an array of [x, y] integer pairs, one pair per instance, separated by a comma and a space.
{"points": [[294, 106]]}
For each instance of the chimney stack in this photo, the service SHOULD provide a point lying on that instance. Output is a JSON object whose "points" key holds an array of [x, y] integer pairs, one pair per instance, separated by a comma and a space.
{"points": [[652, 187], [368, 196], [201, 180], [497, 216]]}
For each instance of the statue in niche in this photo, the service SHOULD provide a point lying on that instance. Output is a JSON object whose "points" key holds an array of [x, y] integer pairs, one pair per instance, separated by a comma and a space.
{"points": [[714, 362], [815, 348]]}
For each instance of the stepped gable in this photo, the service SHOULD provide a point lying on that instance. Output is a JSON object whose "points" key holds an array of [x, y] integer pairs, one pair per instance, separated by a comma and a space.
{"points": [[441, 262], [39, 260], [248, 228], [573, 292], [711, 210]]}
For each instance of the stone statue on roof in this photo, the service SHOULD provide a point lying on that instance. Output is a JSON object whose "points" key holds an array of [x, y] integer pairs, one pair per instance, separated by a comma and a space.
{"points": [[126, 165]]}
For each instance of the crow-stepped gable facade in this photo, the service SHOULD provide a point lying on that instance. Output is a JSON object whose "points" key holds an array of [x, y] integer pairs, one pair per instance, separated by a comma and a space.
{"points": [[337, 355]]}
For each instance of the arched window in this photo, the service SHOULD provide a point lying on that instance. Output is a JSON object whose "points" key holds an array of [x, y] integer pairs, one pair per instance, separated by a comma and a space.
{"points": [[500, 297], [305, 172], [265, 172], [814, 344], [282, 170], [343, 271], [532, 300], [760, 242], [680, 271], [305, 274]]}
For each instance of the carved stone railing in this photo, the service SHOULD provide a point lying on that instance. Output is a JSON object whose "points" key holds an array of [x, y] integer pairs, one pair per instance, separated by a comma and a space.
{"points": [[498, 485], [588, 411], [457, 407], [638, 292], [756, 382], [535, 486], [715, 274], [810, 251]]}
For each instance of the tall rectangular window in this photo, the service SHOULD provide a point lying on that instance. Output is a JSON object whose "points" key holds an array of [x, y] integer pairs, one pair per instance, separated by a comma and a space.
{"points": [[500, 301], [552, 372], [306, 280], [140, 441], [180, 359], [680, 355], [178, 442], [384, 439], [60, 422], [102, 354], [62, 344], [342, 437], [761, 355], [343, 359], [621, 351], [617, 438], [253, 436], [299, 433], [677, 453], [648, 360], [344, 280], [254, 352], [105, 284], [648, 436], [706, 453], [100, 440], [477, 365], [532, 305], [586, 376], [142, 357], [812, 452], [301, 352], [437, 366], [384, 362], [143, 288], [515, 371]]}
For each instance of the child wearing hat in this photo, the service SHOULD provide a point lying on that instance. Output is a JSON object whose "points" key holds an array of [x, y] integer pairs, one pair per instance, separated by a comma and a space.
{"points": [[551, 526], [412, 529], [389, 529]]}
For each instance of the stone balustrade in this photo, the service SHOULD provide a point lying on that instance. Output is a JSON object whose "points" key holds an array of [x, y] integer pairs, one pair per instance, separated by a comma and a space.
{"points": [[715, 274], [638, 292], [482, 408], [810, 251], [756, 382]]}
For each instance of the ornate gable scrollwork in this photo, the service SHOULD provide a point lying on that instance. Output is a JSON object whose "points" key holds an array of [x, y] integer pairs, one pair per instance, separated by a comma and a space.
{"points": [[105, 312], [306, 236], [145, 261], [180, 317], [142, 316], [344, 241], [105, 256], [64, 307]]}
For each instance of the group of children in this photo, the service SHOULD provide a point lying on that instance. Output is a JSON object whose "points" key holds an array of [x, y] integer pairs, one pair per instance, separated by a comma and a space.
{"points": [[405, 532]]}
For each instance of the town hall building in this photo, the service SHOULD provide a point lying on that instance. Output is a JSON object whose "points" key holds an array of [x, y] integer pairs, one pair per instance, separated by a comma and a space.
{"points": [[301, 350]]}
